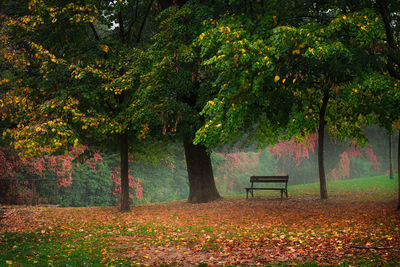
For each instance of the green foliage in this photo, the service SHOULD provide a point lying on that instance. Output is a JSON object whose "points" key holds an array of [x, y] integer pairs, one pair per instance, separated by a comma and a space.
{"points": [[172, 84], [274, 82], [90, 187], [360, 167], [90, 72]]}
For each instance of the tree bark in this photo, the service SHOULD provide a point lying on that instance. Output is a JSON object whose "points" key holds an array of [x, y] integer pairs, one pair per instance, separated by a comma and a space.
{"points": [[392, 59], [124, 172], [390, 158], [200, 173], [321, 133], [398, 174]]}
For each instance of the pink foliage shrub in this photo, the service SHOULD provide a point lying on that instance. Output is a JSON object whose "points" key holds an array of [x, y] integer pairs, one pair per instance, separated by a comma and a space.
{"points": [[134, 184], [292, 149], [342, 171]]}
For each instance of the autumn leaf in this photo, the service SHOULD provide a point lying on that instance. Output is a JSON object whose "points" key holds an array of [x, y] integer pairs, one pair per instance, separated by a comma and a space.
{"points": [[104, 48]]}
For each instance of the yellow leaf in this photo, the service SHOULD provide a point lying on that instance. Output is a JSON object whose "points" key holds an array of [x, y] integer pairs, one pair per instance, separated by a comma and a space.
{"points": [[104, 48], [276, 79], [296, 51]]}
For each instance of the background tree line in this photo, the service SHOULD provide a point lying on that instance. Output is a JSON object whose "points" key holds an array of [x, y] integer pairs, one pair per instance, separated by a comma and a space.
{"points": [[130, 76]]}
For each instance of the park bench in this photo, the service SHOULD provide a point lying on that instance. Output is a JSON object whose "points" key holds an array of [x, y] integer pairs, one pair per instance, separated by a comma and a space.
{"points": [[282, 182]]}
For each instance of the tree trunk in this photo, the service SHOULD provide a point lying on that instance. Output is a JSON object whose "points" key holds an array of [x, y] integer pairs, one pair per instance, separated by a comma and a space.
{"points": [[124, 172], [200, 173], [398, 174], [390, 158], [321, 133]]}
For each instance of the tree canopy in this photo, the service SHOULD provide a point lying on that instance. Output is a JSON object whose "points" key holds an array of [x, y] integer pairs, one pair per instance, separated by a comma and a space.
{"points": [[117, 75]]}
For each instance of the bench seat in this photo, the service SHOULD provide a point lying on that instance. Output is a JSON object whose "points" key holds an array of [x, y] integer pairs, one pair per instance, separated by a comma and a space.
{"points": [[281, 180]]}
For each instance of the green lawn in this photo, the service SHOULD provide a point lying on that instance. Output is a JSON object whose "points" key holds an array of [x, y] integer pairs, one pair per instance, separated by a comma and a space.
{"points": [[371, 188], [378, 187]]}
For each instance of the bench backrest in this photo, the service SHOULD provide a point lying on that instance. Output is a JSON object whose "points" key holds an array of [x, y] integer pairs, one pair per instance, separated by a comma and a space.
{"points": [[269, 179]]}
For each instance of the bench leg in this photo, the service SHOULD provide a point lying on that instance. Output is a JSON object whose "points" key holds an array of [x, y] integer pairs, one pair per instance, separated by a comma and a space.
{"points": [[249, 190], [281, 195], [286, 193]]}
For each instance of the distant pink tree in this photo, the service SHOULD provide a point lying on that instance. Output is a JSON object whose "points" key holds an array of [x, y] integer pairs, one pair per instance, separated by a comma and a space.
{"points": [[134, 184], [342, 171], [293, 149]]}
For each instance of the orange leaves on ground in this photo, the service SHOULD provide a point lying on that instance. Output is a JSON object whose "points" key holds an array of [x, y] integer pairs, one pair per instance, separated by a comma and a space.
{"points": [[229, 232]]}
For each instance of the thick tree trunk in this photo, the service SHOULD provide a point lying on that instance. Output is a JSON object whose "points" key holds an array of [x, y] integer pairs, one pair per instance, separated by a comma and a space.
{"points": [[201, 178], [390, 158], [124, 172], [398, 174], [321, 133]]}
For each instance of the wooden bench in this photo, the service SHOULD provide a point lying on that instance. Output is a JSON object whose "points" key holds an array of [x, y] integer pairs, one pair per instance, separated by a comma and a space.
{"points": [[281, 180]]}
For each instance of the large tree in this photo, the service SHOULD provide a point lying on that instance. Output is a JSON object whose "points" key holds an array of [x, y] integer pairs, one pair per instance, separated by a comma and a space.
{"points": [[376, 92], [175, 90], [87, 62], [291, 80], [70, 85], [391, 18]]}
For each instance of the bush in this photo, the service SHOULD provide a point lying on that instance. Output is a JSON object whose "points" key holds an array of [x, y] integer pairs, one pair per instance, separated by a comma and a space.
{"points": [[90, 187]]}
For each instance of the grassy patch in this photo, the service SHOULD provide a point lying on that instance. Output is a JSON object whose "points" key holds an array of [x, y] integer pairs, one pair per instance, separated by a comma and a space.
{"points": [[41, 249], [378, 187]]}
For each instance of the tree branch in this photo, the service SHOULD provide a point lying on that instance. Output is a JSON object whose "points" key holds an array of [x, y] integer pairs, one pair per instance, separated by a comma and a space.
{"points": [[96, 35], [121, 27], [139, 36], [128, 33], [382, 8]]}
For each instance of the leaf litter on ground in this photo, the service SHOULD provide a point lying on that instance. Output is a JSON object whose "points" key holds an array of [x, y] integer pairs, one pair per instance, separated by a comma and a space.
{"points": [[231, 231]]}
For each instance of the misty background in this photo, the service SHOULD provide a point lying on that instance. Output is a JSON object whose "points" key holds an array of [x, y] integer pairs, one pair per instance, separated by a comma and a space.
{"points": [[96, 182]]}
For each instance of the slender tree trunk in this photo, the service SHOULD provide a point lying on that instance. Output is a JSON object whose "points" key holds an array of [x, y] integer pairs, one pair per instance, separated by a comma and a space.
{"points": [[390, 158], [124, 172], [201, 178], [392, 59], [321, 133], [398, 174]]}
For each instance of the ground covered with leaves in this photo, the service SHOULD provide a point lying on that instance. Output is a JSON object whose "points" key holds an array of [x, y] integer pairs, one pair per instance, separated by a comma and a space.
{"points": [[358, 225]]}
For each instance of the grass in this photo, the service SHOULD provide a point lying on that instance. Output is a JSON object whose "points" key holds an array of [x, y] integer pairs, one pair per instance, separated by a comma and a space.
{"points": [[231, 232], [371, 188]]}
